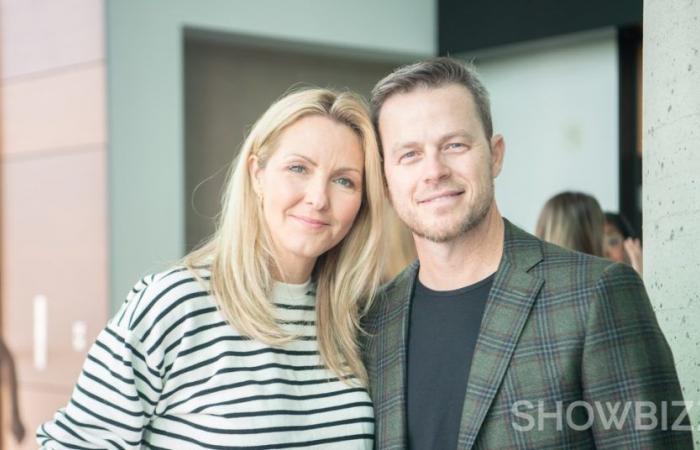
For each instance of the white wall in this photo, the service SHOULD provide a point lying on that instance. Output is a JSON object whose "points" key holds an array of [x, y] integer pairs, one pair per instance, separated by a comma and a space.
{"points": [[671, 184], [556, 103], [145, 94]]}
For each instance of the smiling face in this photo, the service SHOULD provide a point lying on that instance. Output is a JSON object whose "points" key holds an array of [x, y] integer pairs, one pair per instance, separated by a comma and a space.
{"points": [[310, 188], [438, 162]]}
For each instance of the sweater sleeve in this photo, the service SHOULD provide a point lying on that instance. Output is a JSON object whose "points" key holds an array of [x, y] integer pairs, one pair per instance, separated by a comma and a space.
{"points": [[116, 393]]}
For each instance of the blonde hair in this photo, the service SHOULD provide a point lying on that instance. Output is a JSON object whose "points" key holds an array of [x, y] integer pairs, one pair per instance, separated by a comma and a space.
{"points": [[240, 253], [572, 220]]}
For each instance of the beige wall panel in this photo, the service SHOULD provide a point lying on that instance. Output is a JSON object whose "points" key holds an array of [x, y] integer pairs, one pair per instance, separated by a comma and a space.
{"points": [[37, 406], [65, 110], [40, 35], [54, 244]]}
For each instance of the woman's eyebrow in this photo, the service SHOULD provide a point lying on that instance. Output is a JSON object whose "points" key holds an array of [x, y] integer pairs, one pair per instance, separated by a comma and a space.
{"points": [[306, 158], [347, 169]]}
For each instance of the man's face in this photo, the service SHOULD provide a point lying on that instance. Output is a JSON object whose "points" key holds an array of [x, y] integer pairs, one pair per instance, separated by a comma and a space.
{"points": [[438, 162]]}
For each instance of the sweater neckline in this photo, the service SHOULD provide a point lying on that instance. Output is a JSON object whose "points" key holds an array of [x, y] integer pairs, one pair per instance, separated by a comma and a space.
{"points": [[296, 294]]}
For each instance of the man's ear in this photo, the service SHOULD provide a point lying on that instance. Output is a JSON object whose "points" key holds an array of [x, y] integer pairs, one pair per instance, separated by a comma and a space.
{"points": [[498, 150], [254, 170]]}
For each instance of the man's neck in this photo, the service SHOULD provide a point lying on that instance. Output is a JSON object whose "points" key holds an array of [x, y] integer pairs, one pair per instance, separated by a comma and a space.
{"points": [[464, 260]]}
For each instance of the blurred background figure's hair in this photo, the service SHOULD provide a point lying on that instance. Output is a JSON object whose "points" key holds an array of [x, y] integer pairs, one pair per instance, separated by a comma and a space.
{"points": [[572, 220], [621, 223]]}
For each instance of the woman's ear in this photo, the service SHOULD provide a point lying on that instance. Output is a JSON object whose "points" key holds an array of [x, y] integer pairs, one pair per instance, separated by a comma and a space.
{"points": [[254, 170]]}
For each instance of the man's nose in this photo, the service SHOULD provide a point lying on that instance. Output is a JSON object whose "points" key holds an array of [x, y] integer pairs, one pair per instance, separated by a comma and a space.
{"points": [[435, 168]]}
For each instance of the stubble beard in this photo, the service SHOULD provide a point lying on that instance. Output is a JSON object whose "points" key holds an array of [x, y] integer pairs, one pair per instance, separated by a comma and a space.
{"points": [[472, 218]]}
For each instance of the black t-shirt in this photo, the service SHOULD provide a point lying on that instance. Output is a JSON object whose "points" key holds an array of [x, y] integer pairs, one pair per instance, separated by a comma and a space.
{"points": [[443, 330]]}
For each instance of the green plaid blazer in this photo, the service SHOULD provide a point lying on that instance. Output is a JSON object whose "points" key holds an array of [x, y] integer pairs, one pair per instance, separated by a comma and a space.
{"points": [[559, 327]]}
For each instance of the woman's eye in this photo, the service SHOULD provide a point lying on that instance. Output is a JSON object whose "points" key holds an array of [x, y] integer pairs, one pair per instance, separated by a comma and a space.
{"points": [[297, 168], [614, 241], [345, 182], [407, 156]]}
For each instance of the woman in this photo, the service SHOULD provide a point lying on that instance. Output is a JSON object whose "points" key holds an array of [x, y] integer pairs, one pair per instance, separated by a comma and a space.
{"points": [[252, 343], [572, 220], [620, 244]]}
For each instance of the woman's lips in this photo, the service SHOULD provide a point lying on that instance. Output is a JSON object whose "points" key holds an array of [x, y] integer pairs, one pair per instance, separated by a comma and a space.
{"points": [[310, 222]]}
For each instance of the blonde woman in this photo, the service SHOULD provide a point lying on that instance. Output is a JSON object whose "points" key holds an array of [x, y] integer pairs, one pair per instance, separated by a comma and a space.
{"points": [[251, 343], [572, 220]]}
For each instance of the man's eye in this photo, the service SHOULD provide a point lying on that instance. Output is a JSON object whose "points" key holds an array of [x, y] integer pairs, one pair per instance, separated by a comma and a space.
{"points": [[297, 168], [345, 182], [455, 145]]}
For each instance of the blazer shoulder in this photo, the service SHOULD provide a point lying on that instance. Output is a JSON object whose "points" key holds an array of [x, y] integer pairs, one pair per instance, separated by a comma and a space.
{"points": [[571, 276], [392, 291], [558, 262], [549, 261]]}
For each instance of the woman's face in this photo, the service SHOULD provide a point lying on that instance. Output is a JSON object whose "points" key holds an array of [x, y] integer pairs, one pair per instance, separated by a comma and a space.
{"points": [[613, 243], [311, 189]]}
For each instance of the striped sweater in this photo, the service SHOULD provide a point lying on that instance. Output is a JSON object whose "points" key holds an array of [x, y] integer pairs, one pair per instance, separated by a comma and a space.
{"points": [[169, 372]]}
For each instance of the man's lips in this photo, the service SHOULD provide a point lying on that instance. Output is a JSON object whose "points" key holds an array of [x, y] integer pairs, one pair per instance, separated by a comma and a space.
{"points": [[315, 223], [441, 195]]}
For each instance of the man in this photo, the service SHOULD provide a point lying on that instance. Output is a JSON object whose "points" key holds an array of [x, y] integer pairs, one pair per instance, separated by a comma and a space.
{"points": [[494, 339]]}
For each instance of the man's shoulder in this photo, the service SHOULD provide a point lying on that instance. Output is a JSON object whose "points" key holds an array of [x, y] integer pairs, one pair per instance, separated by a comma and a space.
{"points": [[582, 280], [392, 291], [564, 265], [563, 269], [400, 282]]}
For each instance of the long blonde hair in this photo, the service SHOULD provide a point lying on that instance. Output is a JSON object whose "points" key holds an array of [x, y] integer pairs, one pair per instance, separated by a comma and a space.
{"points": [[572, 220], [240, 253]]}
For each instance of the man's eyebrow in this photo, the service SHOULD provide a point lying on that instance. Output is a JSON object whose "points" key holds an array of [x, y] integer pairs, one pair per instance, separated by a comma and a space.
{"points": [[457, 133], [402, 145], [446, 137]]}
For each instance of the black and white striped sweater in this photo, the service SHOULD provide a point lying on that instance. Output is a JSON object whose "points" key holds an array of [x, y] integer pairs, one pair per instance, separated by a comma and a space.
{"points": [[168, 372]]}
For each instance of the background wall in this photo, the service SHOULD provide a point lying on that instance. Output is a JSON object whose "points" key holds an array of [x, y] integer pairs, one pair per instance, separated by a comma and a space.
{"points": [[556, 103], [146, 118], [54, 200], [671, 184]]}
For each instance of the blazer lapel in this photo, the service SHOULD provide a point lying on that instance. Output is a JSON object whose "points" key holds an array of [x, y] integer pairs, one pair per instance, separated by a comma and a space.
{"points": [[390, 409], [511, 298]]}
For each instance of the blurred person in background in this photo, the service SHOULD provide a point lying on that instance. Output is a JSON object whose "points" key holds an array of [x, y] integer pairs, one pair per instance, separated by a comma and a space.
{"points": [[572, 220], [8, 372], [252, 341], [620, 243]]}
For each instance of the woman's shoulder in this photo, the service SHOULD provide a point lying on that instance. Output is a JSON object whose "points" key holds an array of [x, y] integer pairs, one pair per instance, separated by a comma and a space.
{"points": [[159, 295], [180, 278]]}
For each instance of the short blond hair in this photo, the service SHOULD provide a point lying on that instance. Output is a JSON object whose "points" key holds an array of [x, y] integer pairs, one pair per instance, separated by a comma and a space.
{"points": [[433, 73], [240, 253]]}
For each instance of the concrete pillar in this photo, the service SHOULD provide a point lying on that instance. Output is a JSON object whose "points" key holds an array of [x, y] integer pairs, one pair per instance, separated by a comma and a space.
{"points": [[672, 182]]}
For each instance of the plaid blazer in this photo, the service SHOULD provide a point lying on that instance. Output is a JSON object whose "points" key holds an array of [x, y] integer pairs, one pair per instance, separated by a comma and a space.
{"points": [[559, 327]]}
